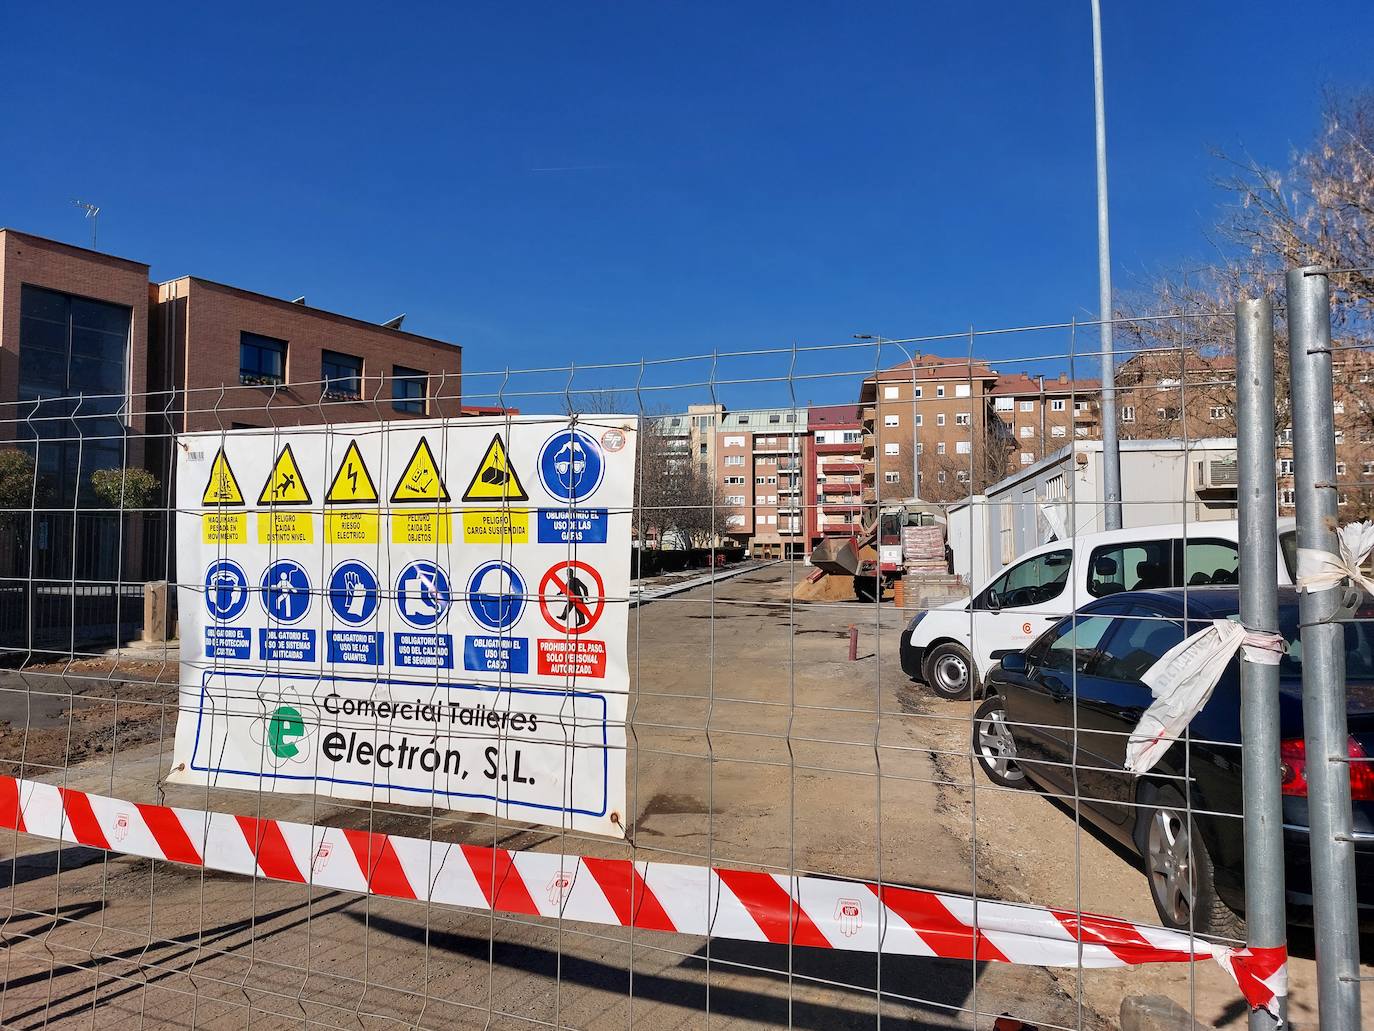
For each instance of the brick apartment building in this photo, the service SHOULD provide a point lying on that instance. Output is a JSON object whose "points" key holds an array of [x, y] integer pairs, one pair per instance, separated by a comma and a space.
{"points": [[99, 366], [1043, 415], [836, 469]]}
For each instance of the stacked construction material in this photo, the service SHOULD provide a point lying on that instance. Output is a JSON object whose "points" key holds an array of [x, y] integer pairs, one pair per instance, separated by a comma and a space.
{"points": [[923, 549]]}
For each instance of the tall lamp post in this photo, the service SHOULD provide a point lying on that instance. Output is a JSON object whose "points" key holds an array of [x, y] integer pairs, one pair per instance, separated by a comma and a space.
{"points": [[1111, 449]]}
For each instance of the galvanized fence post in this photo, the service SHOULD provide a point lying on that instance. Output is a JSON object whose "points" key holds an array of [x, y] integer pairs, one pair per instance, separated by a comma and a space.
{"points": [[1323, 655], [1265, 910]]}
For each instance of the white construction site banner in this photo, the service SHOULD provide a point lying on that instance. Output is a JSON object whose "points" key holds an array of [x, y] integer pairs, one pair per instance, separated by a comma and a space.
{"points": [[426, 613]]}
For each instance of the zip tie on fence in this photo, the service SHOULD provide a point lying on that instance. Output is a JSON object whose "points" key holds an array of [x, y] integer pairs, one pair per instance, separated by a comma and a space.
{"points": [[743, 905], [1320, 570], [1183, 679]]}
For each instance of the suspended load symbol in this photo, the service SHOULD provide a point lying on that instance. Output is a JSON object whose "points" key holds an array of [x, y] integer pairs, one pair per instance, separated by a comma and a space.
{"points": [[352, 483], [222, 488], [495, 479], [421, 480], [285, 485]]}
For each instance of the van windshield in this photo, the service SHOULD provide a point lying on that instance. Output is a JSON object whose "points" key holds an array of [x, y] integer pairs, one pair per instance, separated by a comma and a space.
{"points": [[1288, 544]]}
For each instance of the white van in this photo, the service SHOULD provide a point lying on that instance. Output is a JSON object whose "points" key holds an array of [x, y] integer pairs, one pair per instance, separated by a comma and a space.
{"points": [[952, 647]]}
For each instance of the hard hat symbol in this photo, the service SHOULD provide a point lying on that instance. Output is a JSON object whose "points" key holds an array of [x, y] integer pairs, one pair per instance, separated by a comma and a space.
{"points": [[495, 581]]}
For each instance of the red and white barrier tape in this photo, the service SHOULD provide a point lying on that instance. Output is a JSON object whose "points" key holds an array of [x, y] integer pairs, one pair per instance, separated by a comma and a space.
{"points": [[745, 905]]}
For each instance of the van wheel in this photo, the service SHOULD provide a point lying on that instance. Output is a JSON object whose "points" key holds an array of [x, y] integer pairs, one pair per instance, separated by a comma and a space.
{"points": [[950, 672], [1178, 867], [994, 746]]}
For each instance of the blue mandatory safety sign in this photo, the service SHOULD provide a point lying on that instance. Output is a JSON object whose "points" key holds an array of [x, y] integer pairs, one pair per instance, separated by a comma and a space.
{"points": [[286, 591], [425, 651], [564, 526], [423, 595], [283, 644], [496, 654], [353, 592], [363, 647], [228, 642], [226, 590], [571, 465], [496, 595]]}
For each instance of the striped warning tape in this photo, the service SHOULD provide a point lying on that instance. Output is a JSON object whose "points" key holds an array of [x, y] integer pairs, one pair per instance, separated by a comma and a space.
{"points": [[745, 905]]}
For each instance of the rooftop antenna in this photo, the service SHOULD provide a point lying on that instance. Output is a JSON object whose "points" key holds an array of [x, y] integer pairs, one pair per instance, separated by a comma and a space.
{"points": [[92, 213], [394, 323]]}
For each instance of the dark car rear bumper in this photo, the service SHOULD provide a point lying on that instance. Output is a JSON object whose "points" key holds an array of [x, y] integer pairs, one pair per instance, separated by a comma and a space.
{"points": [[1298, 869]]}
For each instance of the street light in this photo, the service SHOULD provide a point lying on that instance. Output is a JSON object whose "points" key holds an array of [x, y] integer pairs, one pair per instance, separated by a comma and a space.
{"points": [[1111, 449], [915, 440]]}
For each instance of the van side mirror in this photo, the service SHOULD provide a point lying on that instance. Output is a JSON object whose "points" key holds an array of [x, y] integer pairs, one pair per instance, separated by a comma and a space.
{"points": [[1014, 662]]}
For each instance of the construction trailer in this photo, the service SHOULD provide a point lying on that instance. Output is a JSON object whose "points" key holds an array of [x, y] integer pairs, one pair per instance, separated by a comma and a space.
{"points": [[1163, 481]]}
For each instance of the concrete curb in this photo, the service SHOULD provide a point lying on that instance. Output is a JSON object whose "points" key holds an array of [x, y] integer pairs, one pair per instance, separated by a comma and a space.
{"points": [[638, 598]]}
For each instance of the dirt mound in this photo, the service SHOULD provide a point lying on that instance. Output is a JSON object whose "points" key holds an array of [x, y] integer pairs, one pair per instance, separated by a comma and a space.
{"points": [[832, 587]]}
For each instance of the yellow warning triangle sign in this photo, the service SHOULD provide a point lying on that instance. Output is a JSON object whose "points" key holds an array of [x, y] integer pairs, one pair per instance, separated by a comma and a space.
{"points": [[222, 488], [285, 485], [421, 480], [352, 483], [495, 479]]}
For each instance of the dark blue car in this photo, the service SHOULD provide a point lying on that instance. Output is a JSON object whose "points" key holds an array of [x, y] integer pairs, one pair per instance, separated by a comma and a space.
{"points": [[1059, 714]]}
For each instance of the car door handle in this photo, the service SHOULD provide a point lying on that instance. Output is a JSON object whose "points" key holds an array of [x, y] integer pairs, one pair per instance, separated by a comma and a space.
{"points": [[1057, 688]]}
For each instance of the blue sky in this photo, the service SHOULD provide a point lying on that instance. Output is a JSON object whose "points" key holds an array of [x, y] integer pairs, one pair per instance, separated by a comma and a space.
{"points": [[555, 183]]}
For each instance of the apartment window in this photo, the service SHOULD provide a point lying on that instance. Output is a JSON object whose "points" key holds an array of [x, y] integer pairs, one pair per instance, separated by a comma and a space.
{"points": [[1128, 413], [1218, 413], [733, 481], [940, 447], [892, 420], [791, 417], [1285, 467], [1340, 436], [919, 391], [1004, 404], [962, 390], [342, 375], [1056, 431], [408, 389], [775, 418], [892, 448], [1338, 408], [920, 448], [1080, 406], [963, 419], [1027, 406], [772, 520], [1027, 458], [733, 442], [1368, 468], [1341, 499], [734, 499], [891, 476], [940, 419], [734, 459], [734, 520], [1286, 497], [963, 447], [772, 479], [1340, 468], [1057, 405], [853, 437], [1027, 432], [961, 476], [675, 421], [940, 391], [701, 448], [920, 419], [890, 393], [262, 360], [940, 476]]}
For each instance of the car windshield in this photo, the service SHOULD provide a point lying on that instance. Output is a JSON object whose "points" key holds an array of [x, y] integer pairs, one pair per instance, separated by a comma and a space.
{"points": [[1288, 545], [1359, 644]]}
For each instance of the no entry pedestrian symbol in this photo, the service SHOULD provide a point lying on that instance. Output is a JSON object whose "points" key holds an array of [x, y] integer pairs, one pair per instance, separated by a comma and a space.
{"points": [[572, 597]]}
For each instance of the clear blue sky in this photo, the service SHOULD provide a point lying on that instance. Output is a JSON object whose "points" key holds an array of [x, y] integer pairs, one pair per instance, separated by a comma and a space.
{"points": [[554, 182]]}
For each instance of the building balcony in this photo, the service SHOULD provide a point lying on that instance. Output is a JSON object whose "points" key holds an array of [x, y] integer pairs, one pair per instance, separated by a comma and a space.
{"points": [[841, 468], [789, 469], [785, 509], [870, 413], [840, 529], [839, 488], [840, 507], [850, 448], [788, 488]]}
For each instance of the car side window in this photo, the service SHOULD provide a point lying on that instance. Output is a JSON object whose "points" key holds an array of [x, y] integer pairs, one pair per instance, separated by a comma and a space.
{"points": [[1136, 644], [1133, 566], [1031, 582], [1073, 645], [1210, 562]]}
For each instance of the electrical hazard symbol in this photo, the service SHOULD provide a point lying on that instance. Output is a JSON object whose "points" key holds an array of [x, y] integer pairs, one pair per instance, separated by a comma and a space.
{"points": [[495, 479], [352, 483], [285, 485], [572, 597], [421, 480], [222, 488]]}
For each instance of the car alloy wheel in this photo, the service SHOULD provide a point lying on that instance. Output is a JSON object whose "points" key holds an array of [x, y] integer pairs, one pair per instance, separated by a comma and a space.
{"points": [[1169, 864], [994, 744]]}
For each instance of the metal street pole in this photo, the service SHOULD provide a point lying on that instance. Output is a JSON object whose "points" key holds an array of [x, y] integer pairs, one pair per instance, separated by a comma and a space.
{"points": [[1111, 450], [1265, 906], [1323, 657]]}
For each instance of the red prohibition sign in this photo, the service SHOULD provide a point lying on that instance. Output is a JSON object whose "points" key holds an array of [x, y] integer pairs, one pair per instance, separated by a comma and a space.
{"points": [[576, 591]]}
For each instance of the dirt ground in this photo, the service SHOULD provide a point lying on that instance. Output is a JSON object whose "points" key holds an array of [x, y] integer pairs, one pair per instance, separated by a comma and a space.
{"points": [[755, 742]]}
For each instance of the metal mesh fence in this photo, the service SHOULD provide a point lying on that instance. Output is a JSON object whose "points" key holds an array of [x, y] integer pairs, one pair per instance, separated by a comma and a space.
{"points": [[905, 827]]}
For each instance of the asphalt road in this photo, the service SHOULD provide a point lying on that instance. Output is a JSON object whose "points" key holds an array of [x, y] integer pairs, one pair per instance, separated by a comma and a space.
{"points": [[755, 742]]}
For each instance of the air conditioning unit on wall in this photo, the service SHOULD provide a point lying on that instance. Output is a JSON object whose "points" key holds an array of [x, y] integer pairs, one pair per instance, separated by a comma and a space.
{"points": [[1216, 472]]}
